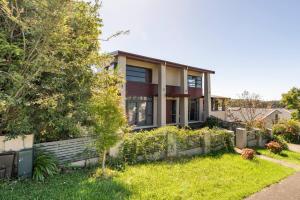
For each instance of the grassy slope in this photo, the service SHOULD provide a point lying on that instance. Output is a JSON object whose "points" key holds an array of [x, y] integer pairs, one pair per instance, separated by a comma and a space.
{"points": [[212, 177], [285, 155]]}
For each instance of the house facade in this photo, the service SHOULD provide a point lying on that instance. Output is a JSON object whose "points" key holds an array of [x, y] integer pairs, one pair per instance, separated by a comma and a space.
{"points": [[159, 92]]}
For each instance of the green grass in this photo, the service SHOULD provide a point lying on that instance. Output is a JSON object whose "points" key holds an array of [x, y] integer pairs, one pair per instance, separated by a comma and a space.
{"points": [[285, 155], [221, 176]]}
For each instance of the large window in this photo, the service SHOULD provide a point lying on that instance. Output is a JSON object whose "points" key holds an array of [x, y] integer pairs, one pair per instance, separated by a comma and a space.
{"points": [[195, 81], [193, 109], [170, 111], [139, 111], [138, 74], [217, 104]]}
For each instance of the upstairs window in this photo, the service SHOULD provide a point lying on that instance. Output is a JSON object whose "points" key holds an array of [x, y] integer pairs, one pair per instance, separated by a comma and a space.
{"points": [[195, 81], [138, 74]]}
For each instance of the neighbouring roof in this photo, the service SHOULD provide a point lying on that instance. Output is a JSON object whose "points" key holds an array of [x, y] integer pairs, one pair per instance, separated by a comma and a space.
{"points": [[260, 113], [155, 60], [219, 97]]}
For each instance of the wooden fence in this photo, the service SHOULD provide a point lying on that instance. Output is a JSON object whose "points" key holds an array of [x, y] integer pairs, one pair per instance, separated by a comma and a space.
{"points": [[67, 151]]}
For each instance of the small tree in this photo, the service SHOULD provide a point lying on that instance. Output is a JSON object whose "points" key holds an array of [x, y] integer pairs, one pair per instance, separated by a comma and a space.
{"points": [[291, 100], [107, 112], [246, 110]]}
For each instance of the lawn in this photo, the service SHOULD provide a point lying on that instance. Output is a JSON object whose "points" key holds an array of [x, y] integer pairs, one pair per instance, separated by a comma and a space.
{"points": [[220, 176], [285, 155]]}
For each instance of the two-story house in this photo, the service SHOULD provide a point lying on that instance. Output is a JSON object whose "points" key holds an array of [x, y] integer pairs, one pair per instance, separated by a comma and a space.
{"points": [[159, 92]]}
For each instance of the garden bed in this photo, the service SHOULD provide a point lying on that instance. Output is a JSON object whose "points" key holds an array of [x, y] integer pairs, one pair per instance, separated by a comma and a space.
{"points": [[216, 176]]}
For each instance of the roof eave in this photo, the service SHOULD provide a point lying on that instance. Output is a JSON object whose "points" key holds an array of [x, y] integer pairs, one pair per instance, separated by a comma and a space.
{"points": [[155, 60]]}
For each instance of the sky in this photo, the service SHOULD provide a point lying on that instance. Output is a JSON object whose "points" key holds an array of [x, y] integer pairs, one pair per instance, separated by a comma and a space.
{"points": [[252, 45]]}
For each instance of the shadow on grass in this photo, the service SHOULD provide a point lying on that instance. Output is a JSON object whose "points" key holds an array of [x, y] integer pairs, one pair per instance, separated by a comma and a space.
{"points": [[73, 185], [283, 155], [104, 189]]}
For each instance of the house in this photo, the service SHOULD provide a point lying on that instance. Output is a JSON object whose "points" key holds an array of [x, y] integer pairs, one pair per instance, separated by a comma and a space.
{"points": [[159, 92], [268, 116]]}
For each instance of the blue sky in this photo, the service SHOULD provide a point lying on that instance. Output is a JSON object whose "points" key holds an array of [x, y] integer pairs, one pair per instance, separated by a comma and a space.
{"points": [[252, 45]]}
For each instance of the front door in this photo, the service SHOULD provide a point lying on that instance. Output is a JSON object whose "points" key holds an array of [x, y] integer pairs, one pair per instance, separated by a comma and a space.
{"points": [[170, 111]]}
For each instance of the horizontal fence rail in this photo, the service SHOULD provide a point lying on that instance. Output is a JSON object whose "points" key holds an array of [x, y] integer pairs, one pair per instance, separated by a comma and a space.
{"points": [[67, 151]]}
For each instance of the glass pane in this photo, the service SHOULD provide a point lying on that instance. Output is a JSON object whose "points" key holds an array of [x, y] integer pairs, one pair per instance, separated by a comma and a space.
{"points": [[142, 113], [133, 78], [131, 112], [149, 117], [137, 69], [194, 110], [137, 74], [195, 81]]}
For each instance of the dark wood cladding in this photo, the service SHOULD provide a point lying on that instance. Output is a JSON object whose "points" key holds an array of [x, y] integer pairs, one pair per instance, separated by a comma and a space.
{"points": [[172, 90], [195, 92], [149, 89], [141, 89]]}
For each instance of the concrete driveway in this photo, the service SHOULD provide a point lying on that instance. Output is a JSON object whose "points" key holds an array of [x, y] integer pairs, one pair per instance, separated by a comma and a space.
{"points": [[287, 189], [294, 147]]}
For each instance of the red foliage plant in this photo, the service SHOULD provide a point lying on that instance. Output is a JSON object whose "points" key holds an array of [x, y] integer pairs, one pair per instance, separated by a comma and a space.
{"points": [[248, 153], [274, 147]]}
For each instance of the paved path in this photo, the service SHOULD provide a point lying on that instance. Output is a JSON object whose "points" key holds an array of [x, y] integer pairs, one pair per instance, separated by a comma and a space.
{"points": [[288, 189], [281, 162], [294, 147]]}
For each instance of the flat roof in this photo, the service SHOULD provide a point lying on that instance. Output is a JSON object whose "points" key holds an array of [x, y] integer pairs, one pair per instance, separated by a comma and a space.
{"points": [[155, 60]]}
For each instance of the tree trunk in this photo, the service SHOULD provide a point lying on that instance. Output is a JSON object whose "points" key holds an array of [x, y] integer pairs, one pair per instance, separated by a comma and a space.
{"points": [[103, 162]]}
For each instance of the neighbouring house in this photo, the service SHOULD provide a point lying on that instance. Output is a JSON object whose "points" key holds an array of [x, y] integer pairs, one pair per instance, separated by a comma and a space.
{"points": [[268, 116], [159, 92]]}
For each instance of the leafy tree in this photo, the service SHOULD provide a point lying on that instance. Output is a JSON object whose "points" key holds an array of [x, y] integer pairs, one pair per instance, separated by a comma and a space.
{"points": [[291, 100], [47, 48], [107, 112], [246, 110]]}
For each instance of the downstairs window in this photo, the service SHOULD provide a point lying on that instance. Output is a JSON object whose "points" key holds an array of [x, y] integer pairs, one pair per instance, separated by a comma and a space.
{"points": [[139, 111]]}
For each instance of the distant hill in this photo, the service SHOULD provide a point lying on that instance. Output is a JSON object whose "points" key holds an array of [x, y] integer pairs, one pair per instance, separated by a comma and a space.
{"points": [[262, 104]]}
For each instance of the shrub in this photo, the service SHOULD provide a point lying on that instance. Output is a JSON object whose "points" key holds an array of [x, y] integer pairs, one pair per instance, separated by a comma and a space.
{"points": [[288, 129], [221, 135], [212, 122], [154, 145], [274, 147], [281, 141], [144, 144], [116, 163], [44, 165], [279, 128], [248, 153], [188, 139]]}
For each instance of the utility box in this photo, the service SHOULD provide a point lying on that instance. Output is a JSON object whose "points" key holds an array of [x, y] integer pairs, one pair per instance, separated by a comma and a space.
{"points": [[25, 163], [6, 164]]}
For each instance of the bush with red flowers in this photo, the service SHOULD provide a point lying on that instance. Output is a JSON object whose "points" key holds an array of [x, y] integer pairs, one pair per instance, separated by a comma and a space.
{"points": [[248, 154], [274, 147]]}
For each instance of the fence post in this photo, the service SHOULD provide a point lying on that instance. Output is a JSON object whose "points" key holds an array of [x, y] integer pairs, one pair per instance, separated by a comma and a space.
{"points": [[232, 137], [260, 141], [270, 132], [172, 147], [207, 142], [241, 138]]}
